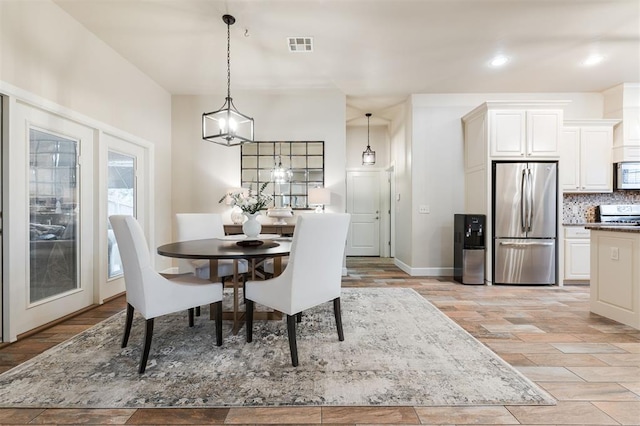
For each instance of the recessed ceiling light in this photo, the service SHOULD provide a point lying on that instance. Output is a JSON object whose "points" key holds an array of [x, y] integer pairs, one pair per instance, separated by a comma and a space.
{"points": [[592, 60], [499, 61]]}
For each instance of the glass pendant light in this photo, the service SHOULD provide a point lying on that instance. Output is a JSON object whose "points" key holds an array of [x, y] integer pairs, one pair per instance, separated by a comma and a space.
{"points": [[280, 174], [227, 126], [368, 156]]}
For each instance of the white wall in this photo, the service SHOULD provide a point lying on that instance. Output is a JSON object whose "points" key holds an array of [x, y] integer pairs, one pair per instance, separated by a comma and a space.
{"points": [[203, 171], [438, 172], [45, 52], [401, 159], [51, 63]]}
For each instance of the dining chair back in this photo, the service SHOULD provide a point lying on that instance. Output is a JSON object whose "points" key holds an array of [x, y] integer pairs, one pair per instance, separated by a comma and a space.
{"points": [[200, 226], [313, 274], [316, 259], [153, 294]]}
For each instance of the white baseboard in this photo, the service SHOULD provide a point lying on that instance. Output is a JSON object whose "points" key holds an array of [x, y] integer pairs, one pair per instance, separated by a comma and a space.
{"points": [[424, 272]]}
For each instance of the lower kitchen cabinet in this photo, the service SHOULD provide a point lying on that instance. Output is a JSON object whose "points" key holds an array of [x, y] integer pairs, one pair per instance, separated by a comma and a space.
{"points": [[577, 253]]}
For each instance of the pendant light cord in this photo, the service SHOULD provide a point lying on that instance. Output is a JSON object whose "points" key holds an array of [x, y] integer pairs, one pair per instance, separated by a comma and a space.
{"points": [[228, 60], [368, 118]]}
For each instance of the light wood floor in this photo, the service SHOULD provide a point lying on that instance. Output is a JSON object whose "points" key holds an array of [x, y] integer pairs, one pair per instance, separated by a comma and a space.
{"points": [[591, 365]]}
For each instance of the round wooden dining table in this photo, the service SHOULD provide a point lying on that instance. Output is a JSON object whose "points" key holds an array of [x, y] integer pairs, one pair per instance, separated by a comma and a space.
{"points": [[234, 248]]}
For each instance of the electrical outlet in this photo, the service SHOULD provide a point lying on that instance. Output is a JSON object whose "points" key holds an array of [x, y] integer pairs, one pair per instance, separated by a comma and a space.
{"points": [[614, 253], [423, 209], [574, 210]]}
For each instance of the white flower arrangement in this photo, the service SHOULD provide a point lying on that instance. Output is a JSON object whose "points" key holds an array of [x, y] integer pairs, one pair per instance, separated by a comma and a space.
{"points": [[249, 202]]}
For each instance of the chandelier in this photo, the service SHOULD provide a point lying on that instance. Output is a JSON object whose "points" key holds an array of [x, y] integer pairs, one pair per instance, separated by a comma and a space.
{"points": [[368, 156], [227, 126]]}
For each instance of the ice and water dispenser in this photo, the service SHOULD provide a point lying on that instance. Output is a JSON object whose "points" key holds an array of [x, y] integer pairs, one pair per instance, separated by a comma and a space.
{"points": [[469, 248]]}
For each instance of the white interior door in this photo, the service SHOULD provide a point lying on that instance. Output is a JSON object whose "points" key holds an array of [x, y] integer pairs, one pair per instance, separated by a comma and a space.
{"points": [[363, 202], [49, 219]]}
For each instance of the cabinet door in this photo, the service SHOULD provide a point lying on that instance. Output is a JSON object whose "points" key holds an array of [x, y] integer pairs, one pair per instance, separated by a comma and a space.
{"points": [[576, 259], [596, 170], [570, 160], [543, 133], [507, 133]]}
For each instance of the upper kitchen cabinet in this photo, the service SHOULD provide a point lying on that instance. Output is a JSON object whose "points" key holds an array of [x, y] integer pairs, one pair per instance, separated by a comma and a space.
{"points": [[507, 130], [622, 102], [585, 156], [518, 130], [529, 133]]}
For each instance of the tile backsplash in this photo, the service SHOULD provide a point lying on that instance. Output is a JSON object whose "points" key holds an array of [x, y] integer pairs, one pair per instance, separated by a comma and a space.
{"points": [[581, 208]]}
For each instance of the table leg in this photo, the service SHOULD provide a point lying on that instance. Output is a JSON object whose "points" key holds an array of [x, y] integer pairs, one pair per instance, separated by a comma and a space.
{"points": [[253, 269], [277, 266], [236, 304], [214, 278]]}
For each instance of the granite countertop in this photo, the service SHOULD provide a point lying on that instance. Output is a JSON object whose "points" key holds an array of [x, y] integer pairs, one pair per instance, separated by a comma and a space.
{"points": [[614, 228], [578, 224]]}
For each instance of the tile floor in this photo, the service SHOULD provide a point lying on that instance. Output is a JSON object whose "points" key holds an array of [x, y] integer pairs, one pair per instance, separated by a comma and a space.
{"points": [[591, 365]]}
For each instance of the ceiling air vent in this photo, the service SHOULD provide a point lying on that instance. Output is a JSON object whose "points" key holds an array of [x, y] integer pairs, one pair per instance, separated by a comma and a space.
{"points": [[300, 44]]}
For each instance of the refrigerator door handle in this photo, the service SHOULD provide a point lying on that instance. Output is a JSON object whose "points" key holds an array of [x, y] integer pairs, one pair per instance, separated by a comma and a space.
{"points": [[530, 197], [527, 244], [523, 201]]}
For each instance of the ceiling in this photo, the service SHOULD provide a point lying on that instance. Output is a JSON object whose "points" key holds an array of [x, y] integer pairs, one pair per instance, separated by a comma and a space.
{"points": [[376, 52]]}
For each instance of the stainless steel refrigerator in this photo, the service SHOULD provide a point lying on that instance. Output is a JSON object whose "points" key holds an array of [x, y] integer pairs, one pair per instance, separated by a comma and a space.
{"points": [[525, 222]]}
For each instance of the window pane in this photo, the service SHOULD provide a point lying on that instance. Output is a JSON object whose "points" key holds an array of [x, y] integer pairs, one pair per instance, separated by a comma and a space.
{"points": [[120, 200], [53, 215]]}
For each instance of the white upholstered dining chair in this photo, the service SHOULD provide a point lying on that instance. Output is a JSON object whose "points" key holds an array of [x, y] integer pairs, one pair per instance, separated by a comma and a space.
{"points": [[200, 226], [313, 274], [153, 294]]}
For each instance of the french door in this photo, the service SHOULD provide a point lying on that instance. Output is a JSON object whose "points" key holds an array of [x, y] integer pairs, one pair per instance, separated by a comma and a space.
{"points": [[126, 194], [50, 213], [1, 221]]}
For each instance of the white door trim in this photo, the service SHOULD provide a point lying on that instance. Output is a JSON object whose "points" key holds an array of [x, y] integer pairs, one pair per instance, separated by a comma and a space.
{"points": [[12, 95]]}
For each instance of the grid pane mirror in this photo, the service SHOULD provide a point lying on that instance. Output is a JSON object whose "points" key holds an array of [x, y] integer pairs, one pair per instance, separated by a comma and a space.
{"points": [[53, 215], [302, 161]]}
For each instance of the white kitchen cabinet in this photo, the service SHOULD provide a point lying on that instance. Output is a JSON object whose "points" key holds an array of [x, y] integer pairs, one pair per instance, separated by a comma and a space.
{"points": [[586, 156], [615, 287], [577, 249], [528, 133], [506, 131], [622, 102]]}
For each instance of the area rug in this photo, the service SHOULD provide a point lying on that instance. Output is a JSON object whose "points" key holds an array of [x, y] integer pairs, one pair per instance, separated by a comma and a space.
{"points": [[399, 350]]}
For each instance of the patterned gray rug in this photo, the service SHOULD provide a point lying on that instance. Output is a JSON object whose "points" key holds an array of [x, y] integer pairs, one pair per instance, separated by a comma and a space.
{"points": [[398, 350]]}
